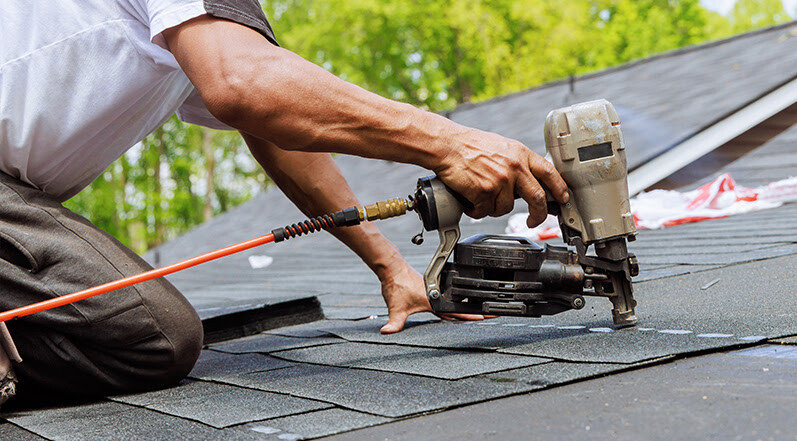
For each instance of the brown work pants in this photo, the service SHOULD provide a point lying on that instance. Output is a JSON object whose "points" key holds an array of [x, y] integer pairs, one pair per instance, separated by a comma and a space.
{"points": [[138, 338]]}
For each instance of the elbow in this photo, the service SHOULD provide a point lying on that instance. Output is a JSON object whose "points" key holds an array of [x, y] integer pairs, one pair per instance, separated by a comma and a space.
{"points": [[235, 92], [226, 99]]}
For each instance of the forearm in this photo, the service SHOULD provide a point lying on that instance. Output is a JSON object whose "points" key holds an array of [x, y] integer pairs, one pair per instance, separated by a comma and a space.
{"points": [[274, 94], [314, 183]]}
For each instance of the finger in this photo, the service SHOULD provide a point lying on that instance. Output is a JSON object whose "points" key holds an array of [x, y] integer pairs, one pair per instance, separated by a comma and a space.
{"points": [[546, 173], [395, 323], [505, 201], [531, 192], [481, 209]]}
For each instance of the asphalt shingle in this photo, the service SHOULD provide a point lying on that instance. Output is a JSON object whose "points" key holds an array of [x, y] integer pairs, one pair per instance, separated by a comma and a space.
{"points": [[266, 343], [381, 393], [718, 396], [117, 422], [213, 365], [201, 401], [11, 432], [619, 346], [313, 424], [436, 363]]}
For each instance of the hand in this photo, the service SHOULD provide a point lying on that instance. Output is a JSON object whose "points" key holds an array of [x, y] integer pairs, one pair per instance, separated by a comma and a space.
{"points": [[489, 170], [405, 294]]}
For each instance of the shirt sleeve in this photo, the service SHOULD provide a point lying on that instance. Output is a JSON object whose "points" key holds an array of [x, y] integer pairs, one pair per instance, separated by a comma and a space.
{"points": [[193, 111], [165, 14]]}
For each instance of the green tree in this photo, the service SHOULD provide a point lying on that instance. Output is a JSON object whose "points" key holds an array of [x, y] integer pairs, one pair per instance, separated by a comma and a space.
{"points": [[178, 177], [747, 15]]}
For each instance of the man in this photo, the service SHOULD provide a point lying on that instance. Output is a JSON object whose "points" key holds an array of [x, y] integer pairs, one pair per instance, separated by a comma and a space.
{"points": [[83, 80]]}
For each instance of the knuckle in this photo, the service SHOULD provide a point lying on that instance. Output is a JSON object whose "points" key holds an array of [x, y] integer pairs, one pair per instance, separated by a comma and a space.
{"points": [[537, 194], [548, 170], [478, 212], [503, 209], [486, 189], [514, 163]]}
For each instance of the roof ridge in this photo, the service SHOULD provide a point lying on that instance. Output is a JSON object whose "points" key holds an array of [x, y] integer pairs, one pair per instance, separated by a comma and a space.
{"points": [[627, 65]]}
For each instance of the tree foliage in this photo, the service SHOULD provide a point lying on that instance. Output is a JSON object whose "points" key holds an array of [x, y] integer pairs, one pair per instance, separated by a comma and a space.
{"points": [[432, 53], [440, 53], [178, 177]]}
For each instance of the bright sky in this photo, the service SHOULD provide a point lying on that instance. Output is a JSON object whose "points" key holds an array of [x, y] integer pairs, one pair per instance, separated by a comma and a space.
{"points": [[723, 6]]}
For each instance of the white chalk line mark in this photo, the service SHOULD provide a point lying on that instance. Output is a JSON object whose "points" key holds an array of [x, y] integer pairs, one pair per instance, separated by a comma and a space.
{"points": [[603, 330], [608, 330], [675, 331], [753, 338], [265, 429]]}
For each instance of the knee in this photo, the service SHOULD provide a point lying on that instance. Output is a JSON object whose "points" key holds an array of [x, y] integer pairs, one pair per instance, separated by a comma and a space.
{"points": [[186, 341], [168, 355]]}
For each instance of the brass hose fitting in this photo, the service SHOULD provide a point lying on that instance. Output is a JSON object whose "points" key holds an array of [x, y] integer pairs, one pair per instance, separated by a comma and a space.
{"points": [[385, 209]]}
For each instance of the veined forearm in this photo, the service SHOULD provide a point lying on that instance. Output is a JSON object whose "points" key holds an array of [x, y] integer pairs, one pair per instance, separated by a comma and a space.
{"points": [[274, 94], [300, 106]]}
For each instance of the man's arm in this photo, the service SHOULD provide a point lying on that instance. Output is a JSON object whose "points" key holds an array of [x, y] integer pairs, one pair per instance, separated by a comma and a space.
{"points": [[314, 183], [273, 94]]}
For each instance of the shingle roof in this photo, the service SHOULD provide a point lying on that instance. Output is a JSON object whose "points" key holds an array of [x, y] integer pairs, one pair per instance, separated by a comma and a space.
{"points": [[703, 287]]}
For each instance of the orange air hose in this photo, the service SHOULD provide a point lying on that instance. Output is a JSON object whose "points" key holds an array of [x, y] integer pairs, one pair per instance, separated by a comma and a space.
{"points": [[344, 218], [132, 280]]}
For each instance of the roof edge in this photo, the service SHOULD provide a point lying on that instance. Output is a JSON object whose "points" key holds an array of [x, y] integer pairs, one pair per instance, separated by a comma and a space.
{"points": [[709, 138]]}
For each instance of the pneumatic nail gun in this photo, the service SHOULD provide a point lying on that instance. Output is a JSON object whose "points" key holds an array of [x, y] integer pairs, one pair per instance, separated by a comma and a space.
{"points": [[507, 275]]}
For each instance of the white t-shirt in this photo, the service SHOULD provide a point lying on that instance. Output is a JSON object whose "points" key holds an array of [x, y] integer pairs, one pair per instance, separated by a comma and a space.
{"points": [[81, 81]]}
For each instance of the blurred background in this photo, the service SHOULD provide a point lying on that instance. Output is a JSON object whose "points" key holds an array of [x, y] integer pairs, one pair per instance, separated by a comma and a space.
{"points": [[434, 54]]}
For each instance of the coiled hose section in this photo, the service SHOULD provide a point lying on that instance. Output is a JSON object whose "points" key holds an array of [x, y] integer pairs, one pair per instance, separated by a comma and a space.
{"points": [[344, 218]]}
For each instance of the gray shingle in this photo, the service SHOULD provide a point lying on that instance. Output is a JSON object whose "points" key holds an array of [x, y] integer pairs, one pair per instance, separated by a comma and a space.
{"points": [[353, 313], [265, 343], [557, 372], [719, 397], [9, 431], [671, 271], [213, 365], [437, 363], [313, 424], [488, 335], [201, 401], [619, 346], [112, 421], [380, 393]]}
